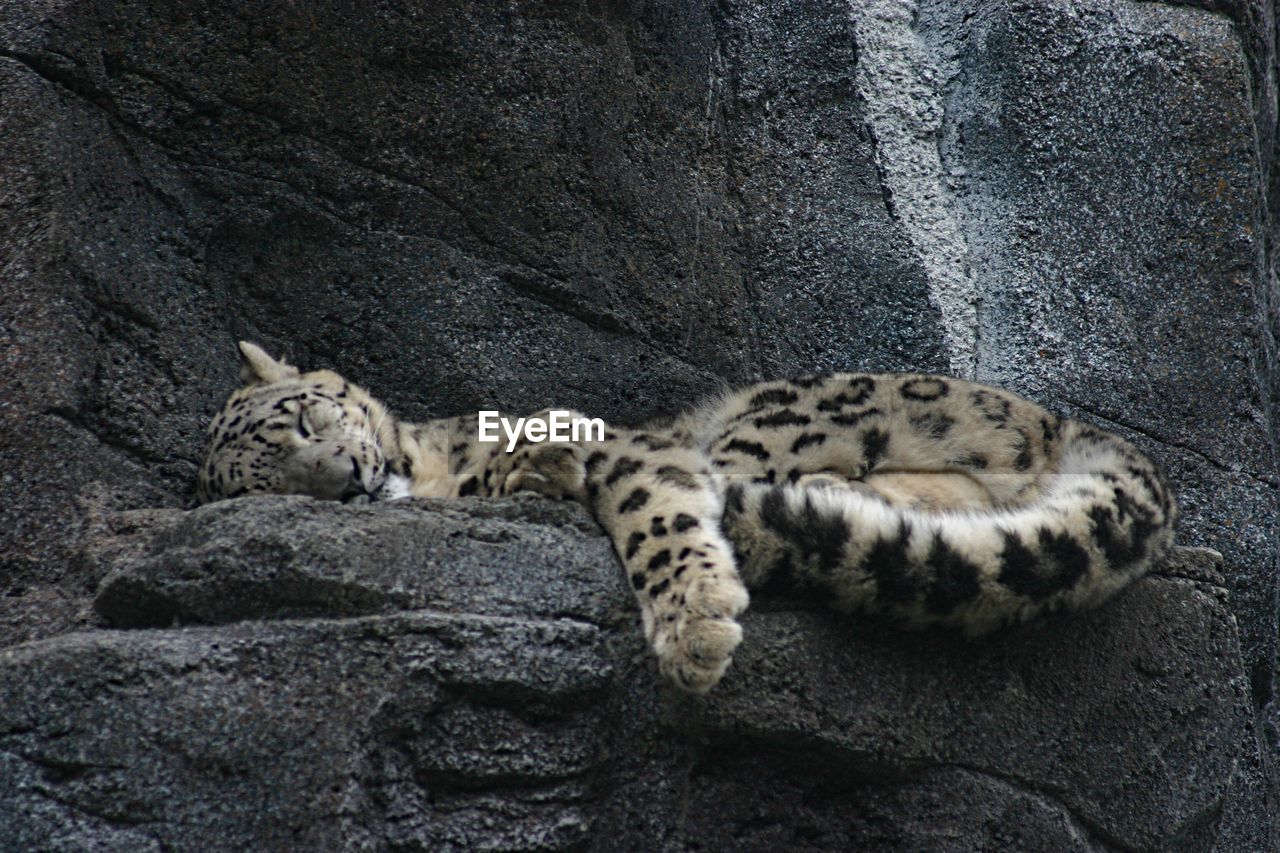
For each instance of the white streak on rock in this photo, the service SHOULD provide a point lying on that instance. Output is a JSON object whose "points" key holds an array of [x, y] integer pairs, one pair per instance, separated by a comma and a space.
{"points": [[900, 83]]}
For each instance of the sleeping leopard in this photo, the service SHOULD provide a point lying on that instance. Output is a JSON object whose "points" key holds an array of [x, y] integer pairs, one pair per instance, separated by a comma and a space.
{"points": [[930, 500]]}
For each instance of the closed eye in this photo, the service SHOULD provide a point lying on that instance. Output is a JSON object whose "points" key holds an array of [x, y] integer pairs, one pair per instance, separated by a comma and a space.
{"points": [[302, 423]]}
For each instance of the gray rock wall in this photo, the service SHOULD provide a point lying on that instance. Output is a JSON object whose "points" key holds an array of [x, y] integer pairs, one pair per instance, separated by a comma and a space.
{"points": [[617, 207], [441, 675]]}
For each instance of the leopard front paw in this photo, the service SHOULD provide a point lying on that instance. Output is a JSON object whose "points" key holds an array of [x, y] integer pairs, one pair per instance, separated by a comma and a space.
{"points": [[696, 639], [556, 471]]}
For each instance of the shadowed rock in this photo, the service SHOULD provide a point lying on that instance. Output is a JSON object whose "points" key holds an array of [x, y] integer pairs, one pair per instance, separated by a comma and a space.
{"points": [[273, 558], [473, 675]]}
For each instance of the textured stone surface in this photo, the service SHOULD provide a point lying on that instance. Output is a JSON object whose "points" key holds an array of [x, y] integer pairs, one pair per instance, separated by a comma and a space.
{"points": [[1094, 294], [617, 207], [269, 558], [1119, 235], [455, 731], [476, 720]]}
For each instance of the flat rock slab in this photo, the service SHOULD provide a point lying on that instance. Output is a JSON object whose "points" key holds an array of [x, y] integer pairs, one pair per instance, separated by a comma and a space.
{"points": [[512, 704], [454, 731], [1118, 719], [271, 558]]}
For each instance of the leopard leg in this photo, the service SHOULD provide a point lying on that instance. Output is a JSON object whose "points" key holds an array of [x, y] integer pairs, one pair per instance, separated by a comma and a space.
{"points": [[662, 511], [932, 491], [658, 503], [553, 469]]}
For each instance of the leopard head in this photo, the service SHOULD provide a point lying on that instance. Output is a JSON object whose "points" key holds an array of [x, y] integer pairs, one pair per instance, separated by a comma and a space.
{"points": [[288, 432]]}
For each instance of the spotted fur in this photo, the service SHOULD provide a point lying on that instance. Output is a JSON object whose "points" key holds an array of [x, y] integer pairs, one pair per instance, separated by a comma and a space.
{"points": [[931, 500]]}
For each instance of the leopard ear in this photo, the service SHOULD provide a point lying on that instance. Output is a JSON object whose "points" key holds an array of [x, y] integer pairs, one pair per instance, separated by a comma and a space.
{"points": [[256, 366]]}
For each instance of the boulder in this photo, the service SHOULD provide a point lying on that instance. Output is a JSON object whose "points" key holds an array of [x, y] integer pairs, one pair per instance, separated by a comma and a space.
{"points": [[435, 675]]}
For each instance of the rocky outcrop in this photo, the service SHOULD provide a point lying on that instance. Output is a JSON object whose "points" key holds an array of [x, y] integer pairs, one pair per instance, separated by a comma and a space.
{"points": [[430, 675], [616, 207]]}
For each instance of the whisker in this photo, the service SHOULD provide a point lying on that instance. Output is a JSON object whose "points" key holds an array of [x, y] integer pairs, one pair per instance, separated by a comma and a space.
{"points": [[377, 428]]}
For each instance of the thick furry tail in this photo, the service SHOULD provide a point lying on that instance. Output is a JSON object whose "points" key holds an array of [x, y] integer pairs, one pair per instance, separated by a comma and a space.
{"points": [[1098, 521]]}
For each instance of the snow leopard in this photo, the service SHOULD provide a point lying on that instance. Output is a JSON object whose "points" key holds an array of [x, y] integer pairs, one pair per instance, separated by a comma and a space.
{"points": [[925, 499]]}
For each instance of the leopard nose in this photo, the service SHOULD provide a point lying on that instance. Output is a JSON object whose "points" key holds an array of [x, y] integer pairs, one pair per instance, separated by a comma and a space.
{"points": [[355, 482], [364, 479], [356, 491]]}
